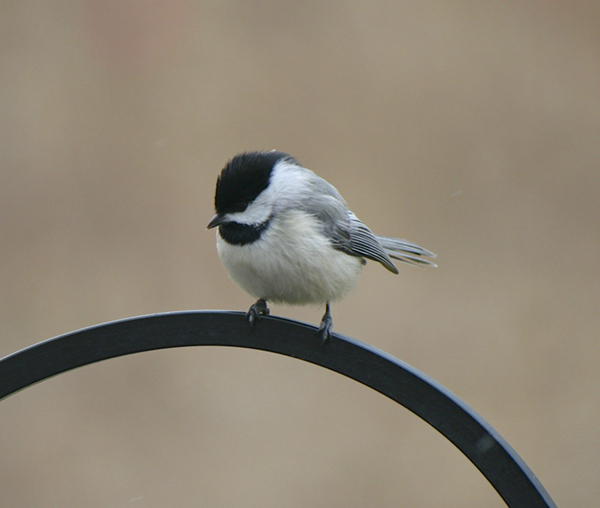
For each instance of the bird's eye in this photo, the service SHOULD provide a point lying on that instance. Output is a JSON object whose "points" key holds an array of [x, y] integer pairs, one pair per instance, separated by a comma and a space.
{"points": [[240, 207]]}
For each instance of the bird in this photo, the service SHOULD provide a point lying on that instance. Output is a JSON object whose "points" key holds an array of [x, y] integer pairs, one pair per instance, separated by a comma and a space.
{"points": [[286, 236]]}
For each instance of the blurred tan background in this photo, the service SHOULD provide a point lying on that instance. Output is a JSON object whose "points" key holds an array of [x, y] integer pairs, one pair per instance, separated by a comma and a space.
{"points": [[471, 128]]}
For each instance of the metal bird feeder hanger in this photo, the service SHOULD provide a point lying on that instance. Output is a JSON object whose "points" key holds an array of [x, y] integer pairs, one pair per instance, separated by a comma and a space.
{"points": [[476, 438]]}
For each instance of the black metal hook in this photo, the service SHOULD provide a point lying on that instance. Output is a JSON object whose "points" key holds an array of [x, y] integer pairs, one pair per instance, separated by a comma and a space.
{"points": [[476, 438]]}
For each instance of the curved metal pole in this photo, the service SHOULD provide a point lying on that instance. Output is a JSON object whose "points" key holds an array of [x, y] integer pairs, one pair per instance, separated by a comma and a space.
{"points": [[476, 438]]}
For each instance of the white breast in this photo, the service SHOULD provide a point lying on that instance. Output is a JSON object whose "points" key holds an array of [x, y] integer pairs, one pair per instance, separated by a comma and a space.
{"points": [[291, 264]]}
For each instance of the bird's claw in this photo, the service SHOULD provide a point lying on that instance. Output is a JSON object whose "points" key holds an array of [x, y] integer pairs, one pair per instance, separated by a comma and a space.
{"points": [[326, 327], [256, 310]]}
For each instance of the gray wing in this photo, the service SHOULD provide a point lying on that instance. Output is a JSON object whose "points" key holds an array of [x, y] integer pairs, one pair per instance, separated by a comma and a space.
{"points": [[349, 234], [357, 239]]}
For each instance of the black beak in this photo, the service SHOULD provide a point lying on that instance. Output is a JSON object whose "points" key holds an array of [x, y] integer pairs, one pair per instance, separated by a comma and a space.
{"points": [[217, 220]]}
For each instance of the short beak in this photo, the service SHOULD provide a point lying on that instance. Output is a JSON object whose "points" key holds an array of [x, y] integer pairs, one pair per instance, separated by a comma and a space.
{"points": [[215, 221]]}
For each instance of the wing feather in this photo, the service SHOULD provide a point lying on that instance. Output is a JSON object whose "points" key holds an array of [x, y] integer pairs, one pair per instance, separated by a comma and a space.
{"points": [[353, 237], [348, 233], [406, 251]]}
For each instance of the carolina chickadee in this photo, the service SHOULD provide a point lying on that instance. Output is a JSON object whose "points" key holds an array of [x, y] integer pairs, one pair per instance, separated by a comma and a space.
{"points": [[287, 236]]}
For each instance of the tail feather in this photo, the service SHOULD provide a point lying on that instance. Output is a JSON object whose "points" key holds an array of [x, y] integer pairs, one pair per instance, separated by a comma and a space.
{"points": [[406, 251]]}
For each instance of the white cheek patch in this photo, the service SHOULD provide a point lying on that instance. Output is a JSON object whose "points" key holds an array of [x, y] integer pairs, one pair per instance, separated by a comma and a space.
{"points": [[256, 213], [288, 181]]}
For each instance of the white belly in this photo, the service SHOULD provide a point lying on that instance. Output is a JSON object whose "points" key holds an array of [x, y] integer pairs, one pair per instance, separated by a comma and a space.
{"points": [[284, 266]]}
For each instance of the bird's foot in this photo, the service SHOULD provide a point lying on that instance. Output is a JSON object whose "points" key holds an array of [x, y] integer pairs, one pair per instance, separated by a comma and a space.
{"points": [[326, 326], [256, 310]]}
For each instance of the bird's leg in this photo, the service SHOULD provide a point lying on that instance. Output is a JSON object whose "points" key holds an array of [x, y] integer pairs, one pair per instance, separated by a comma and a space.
{"points": [[326, 325], [256, 310]]}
